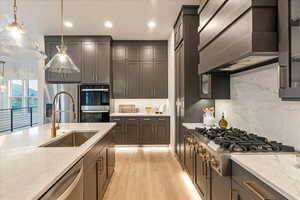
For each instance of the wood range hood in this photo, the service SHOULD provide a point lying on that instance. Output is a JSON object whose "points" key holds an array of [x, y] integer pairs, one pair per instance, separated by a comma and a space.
{"points": [[238, 36]]}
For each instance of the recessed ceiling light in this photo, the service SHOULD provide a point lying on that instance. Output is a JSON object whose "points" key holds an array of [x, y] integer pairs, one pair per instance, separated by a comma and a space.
{"points": [[68, 24], [108, 24], [151, 24]]}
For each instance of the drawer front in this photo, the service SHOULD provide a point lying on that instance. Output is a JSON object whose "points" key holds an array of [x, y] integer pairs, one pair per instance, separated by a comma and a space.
{"points": [[253, 185], [230, 11], [239, 193], [209, 11]]}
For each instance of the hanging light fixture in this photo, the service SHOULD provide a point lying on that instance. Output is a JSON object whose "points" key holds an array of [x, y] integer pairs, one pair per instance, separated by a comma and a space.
{"points": [[2, 78], [15, 42], [61, 61]]}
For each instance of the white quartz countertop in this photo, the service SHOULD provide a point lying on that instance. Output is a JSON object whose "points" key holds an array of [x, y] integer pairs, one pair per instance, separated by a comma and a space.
{"points": [[193, 126], [138, 115], [281, 172], [27, 171]]}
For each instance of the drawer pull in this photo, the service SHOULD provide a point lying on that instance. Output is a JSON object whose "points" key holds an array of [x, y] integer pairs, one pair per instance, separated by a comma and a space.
{"points": [[249, 185], [132, 119], [146, 119]]}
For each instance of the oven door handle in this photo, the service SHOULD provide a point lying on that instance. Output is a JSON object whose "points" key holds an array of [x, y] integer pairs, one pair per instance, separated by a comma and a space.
{"points": [[95, 111], [95, 90]]}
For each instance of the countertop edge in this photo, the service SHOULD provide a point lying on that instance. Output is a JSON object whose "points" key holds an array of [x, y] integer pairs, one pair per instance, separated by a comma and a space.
{"points": [[51, 183], [269, 183]]}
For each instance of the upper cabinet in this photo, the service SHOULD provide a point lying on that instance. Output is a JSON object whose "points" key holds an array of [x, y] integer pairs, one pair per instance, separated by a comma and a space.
{"points": [[91, 54], [289, 49], [237, 35], [140, 69]]}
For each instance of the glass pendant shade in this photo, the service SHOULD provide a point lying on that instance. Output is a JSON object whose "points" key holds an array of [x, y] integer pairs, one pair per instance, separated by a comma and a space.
{"points": [[15, 44], [61, 62]]}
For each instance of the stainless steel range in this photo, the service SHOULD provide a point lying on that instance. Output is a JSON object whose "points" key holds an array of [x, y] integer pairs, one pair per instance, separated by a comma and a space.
{"points": [[217, 144]]}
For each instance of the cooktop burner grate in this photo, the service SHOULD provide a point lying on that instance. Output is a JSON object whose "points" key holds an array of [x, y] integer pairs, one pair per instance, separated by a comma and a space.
{"points": [[236, 140]]}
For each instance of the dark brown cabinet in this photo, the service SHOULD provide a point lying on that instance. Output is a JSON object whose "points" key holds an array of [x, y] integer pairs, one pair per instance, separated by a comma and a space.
{"points": [[90, 182], [142, 130], [102, 173], [140, 69], [99, 164], [147, 131], [188, 102], [131, 134], [147, 79], [189, 155], [289, 51], [92, 55], [162, 128], [246, 186], [215, 85]]}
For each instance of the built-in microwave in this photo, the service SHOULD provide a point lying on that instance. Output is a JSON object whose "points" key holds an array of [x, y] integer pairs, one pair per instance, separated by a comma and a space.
{"points": [[94, 103]]}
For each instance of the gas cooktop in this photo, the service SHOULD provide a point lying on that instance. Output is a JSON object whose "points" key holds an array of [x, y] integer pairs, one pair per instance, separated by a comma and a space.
{"points": [[236, 140]]}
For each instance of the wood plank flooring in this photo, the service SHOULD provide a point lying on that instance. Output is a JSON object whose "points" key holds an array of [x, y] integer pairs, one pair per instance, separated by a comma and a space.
{"points": [[149, 173]]}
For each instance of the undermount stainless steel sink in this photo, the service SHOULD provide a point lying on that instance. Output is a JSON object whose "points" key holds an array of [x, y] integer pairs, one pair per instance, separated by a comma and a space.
{"points": [[74, 139]]}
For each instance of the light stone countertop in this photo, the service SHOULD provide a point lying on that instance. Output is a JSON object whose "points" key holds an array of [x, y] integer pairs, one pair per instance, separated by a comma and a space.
{"points": [[281, 171], [193, 126], [138, 115], [27, 171]]}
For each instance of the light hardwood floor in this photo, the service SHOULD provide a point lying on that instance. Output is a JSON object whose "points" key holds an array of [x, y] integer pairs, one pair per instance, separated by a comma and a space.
{"points": [[149, 173]]}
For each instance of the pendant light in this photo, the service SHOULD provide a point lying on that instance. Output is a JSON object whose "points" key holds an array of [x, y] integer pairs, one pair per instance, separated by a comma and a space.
{"points": [[16, 44], [61, 61]]}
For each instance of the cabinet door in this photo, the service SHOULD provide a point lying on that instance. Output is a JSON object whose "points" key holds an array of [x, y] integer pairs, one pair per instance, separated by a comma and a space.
{"points": [[119, 131], [147, 131], [119, 79], [89, 70], [161, 52], [146, 80], [160, 79], [201, 174], [103, 74], [74, 51], [111, 155], [132, 86], [163, 131], [90, 182], [51, 50], [189, 157], [132, 131], [102, 173], [146, 53], [132, 52]]}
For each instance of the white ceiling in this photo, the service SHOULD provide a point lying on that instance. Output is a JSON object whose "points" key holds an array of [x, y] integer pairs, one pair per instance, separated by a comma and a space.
{"points": [[129, 17]]}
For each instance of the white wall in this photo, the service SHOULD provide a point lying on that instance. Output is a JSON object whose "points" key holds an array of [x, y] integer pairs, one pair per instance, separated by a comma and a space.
{"points": [[256, 107], [171, 87], [140, 103]]}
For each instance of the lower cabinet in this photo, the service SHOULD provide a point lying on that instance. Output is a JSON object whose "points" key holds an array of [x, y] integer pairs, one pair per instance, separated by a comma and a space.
{"points": [[142, 130], [99, 164], [246, 186], [131, 133]]}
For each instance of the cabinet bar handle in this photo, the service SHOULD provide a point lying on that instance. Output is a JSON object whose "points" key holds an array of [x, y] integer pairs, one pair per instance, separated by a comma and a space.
{"points": [[131, 119], [249, 185], [146, 119]]}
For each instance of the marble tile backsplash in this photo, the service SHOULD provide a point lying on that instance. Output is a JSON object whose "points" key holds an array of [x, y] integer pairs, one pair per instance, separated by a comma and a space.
{"points": [[256, 107]]}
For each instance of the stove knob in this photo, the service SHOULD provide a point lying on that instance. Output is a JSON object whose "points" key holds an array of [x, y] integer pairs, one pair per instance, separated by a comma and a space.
{"points": [[213, 162]]}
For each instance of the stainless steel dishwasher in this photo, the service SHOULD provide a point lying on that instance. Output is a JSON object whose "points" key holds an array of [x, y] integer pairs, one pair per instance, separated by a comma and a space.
{"points": [[69, 187]]}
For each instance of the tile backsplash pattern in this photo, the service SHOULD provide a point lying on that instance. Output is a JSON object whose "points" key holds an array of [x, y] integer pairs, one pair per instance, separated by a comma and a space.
{"points": [[256, 107], [140, 103]]}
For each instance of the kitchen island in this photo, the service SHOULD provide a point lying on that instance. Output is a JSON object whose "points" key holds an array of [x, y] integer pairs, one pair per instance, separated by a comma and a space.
{"points": [[27, 170]]}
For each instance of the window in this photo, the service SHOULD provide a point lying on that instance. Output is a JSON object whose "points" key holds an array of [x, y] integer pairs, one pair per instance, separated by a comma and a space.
{"points": [[16, 93], [23, 93], [32, 96]]}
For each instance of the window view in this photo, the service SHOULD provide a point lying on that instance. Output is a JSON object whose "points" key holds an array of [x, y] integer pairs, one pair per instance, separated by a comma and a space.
{"points": [[16, 93], [32, 99]]}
